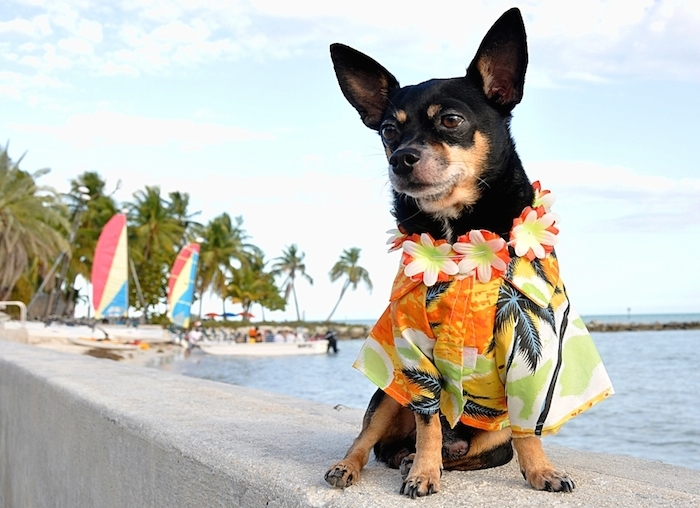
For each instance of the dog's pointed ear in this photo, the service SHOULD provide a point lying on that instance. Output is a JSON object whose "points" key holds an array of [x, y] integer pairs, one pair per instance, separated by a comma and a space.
{"points": [[500, 63], [365, 83]]}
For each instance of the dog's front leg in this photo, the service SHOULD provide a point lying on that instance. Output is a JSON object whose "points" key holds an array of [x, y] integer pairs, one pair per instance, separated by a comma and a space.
{"points": [[424, 475], [382, 419], [536, 468]]}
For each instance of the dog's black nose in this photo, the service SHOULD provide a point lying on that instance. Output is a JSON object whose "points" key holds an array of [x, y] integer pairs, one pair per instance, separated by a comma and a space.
{"points": [[402, 161]]}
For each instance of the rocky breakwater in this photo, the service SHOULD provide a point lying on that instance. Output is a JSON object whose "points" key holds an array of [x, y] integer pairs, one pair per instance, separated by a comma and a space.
{"points": [[597, 326]]}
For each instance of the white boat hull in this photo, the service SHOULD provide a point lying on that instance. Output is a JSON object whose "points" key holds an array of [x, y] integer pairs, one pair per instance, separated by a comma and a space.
{"points": [[102, 344], [313, 347]]}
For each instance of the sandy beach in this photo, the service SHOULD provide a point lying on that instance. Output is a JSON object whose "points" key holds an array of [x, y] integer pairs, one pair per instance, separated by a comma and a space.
{"points": [[146, 355]]}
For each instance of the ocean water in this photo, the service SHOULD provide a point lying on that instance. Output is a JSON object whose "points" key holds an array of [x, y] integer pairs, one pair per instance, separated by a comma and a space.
{"points": [[654, 414]]}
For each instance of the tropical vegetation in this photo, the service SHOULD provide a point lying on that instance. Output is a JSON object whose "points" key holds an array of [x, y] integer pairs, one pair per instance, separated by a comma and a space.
{"points": [[48, 240], [347, 267], [33, 227], [291, 264]]}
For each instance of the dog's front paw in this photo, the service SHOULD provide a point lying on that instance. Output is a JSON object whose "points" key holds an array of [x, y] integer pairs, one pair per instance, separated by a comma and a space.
{"points": [[418, 481], [550, 480], [342, 475]]}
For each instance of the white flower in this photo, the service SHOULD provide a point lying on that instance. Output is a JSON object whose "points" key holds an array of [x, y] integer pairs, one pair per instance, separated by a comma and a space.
{"points": [[543, 197], [396, 238], [534, 233], [481, 254], [428, 259]]}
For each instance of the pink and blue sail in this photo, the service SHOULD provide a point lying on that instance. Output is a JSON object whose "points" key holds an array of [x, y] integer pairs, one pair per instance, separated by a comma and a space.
{"points": [[110, 270], [181, 285]]}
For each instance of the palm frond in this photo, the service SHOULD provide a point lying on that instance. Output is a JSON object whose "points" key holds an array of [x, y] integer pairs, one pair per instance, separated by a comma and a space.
{"points": [[424, 405], [423, 379], [473, 409], [514, 309], [528, 342], [434, 292], [539, 271]]}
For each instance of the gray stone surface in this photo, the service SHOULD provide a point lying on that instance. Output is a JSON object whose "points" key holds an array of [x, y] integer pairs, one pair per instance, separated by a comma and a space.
{"points": [[78, 431]]}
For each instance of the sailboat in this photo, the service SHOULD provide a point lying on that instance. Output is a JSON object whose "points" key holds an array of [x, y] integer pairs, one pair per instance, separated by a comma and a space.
{"points": [[181, 285], [110, 282], [110, 270]]}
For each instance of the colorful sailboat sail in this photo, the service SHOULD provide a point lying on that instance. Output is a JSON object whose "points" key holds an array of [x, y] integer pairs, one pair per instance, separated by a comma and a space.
{"points": [[110, 270], [181, 285]]}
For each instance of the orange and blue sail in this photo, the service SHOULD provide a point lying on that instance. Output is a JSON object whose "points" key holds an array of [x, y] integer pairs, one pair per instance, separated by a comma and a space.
{"points": [[110, 270], [181, 285]]}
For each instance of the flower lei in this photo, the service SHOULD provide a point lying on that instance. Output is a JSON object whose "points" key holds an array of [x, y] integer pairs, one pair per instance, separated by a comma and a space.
{"points": [[479, 253]]}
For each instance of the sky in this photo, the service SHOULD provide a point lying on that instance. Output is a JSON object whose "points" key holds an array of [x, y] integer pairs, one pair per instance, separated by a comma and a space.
{"points": [[236, 103]]}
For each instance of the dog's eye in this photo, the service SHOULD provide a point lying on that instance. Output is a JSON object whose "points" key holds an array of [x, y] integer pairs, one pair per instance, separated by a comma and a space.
{"points": [[451, 121], [389, 132]]}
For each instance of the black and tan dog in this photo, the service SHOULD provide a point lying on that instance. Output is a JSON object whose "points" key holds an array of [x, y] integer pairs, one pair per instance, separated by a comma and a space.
{"points": [[453, 168]]}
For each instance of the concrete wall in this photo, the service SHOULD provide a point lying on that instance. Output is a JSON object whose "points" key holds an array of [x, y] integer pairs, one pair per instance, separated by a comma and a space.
{"points": [[14, 334], [78, 431]]}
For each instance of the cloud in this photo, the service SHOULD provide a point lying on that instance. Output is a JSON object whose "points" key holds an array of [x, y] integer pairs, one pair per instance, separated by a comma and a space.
{"points": [[619, 199], [78, 46], [11, 83], [105, 128], [90, 30], [648, 40], [181, 33], [36, 27], [15, 84], [595, 40]]}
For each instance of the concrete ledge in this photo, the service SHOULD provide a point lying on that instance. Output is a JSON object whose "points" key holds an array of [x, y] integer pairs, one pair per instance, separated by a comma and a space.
{"points": [[14, 334], [80, 431]]}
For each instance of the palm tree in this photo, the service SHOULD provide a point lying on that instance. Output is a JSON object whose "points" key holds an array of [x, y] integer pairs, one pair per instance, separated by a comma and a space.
{"points": [[90, 218], [291, 263], [179, 204], [32, 221], [155, 226], [222, 245], [252, 284], [347, 266], [155, 235], [94, 215]]}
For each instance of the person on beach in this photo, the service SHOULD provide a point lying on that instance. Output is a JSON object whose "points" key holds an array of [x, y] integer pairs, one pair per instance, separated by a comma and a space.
{"points": [[253, 335], [332, 339], [193, 336]]}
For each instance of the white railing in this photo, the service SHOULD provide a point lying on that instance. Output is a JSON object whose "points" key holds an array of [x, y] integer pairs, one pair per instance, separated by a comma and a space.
{"points": [[22, 308]]}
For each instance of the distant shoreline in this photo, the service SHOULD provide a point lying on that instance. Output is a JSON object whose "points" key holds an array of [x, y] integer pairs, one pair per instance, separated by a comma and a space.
{"points": [[597, 326], [361, 330]]}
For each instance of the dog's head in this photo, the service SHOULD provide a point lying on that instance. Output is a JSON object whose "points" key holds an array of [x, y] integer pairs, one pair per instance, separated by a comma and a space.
{"points": [[447, 140]]}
